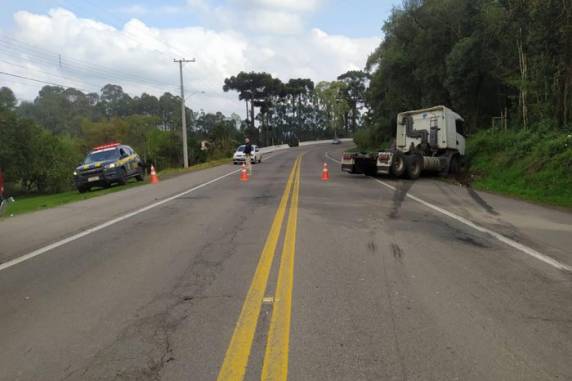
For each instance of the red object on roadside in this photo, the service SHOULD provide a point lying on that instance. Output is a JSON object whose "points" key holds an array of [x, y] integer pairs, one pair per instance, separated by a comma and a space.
{"points": [[154, 177], [243, 173], [325, 173]]}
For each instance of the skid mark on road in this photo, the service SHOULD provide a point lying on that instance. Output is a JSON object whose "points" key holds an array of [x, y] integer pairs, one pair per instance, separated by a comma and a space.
{"points": [[480, 201], [514, 244], [394, 328], [399, 197], [397, 252], [371, 246], [471, 241]]}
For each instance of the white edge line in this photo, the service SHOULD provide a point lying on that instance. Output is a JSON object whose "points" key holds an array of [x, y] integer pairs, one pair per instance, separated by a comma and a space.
{"points": [[332, 159], [512, 243], [45, 249], [97, 228], [516, 245]]}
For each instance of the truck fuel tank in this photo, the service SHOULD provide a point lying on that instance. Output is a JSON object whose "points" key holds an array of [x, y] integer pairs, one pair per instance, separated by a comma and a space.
{"points": [[431, 163]]}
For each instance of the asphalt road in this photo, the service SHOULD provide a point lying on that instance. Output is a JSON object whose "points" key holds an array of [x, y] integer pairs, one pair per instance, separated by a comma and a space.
{"points": [[369, 279]]}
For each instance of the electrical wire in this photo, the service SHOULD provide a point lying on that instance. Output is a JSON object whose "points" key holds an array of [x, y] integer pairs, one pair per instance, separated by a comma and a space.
{"points": [[80, 83], [76, 66], [53, 59], [38, 80]]}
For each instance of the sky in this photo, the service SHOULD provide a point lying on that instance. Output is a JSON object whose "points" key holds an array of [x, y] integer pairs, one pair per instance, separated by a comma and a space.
{"points": [[88, 43]]}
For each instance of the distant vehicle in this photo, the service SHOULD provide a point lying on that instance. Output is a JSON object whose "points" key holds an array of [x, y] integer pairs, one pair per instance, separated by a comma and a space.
{"points": [[336, 141], [238, 157], [431, 139], [108, 164]]}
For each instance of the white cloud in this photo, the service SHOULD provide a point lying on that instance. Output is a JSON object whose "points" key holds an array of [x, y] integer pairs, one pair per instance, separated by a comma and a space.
{"points": [[290, 5], [274, 22], [260, 16], [140, 58]]}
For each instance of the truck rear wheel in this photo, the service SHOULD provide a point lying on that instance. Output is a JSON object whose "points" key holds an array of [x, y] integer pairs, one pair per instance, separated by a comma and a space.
{"points": [[414, 166], [458, 165], [398, 165]]}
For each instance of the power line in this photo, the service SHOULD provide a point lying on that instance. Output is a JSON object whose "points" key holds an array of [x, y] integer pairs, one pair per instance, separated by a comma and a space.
{"points": [[38, 80], [74, 65], [55, 57], [127, 34], [51, 58], [81, 83]]}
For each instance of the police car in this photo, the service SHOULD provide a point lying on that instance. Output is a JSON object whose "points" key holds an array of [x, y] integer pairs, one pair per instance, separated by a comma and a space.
{"points": [[108, 164]]}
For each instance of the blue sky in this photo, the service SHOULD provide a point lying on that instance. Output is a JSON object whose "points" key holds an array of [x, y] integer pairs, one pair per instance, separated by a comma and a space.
{"points": [[362, 18], [132, 43]]}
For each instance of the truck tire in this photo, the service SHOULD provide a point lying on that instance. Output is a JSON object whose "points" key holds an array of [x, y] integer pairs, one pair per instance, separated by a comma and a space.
{"points": [[414, 166], [398, 165], [458, 165], [82, 189]]}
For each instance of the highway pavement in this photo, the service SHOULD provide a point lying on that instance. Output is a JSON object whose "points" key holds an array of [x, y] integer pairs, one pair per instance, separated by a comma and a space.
{"points": [[286, 276]]}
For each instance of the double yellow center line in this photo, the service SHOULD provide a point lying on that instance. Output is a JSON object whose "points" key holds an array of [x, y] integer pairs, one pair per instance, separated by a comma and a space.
{"points": [[275, 365]]}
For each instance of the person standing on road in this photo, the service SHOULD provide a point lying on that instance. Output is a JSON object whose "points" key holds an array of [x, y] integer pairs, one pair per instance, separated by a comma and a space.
{"points": [[248, 154]]}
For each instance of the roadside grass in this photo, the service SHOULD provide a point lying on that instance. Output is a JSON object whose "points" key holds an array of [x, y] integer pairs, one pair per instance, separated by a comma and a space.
{"points": [[31, 203], [534, 165]]}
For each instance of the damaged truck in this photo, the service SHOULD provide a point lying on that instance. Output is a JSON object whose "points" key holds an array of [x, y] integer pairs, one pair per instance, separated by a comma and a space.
{"points": [[427, 140]]}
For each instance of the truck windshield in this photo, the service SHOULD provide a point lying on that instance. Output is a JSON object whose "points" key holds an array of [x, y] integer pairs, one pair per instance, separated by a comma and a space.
{"points": [[107, 155]]}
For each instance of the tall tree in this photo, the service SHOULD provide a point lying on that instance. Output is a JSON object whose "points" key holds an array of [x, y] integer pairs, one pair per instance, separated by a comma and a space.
{"points": [[7, 99], [356, 83], [114, 101]]}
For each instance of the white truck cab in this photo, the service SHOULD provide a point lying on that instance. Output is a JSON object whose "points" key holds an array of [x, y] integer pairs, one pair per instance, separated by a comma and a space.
{"points": [[430, 139], [439, 126]]}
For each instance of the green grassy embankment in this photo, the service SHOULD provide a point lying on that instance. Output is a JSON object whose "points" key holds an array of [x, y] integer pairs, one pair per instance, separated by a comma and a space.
{"points": [[534, 165], [31, 203]]}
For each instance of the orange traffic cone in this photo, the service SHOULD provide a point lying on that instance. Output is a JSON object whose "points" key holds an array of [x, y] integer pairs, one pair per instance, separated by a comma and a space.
{"points": [[243, 173], [325, 173], [154, 177]]}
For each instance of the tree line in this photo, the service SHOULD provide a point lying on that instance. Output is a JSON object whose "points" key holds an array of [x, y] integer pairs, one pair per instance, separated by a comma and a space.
{"points": [[496, 62], [299, 109], [41, 142]]}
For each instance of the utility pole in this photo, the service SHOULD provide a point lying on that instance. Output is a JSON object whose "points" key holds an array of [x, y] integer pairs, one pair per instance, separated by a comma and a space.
{"points": [[183, 113]]}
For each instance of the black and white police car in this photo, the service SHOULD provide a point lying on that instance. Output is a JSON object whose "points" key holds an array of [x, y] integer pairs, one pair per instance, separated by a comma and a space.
{"points": [[108, 164]]}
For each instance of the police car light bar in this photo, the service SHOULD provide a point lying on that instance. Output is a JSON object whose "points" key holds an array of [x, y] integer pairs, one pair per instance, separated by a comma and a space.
{"points": [[105, 146]]}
